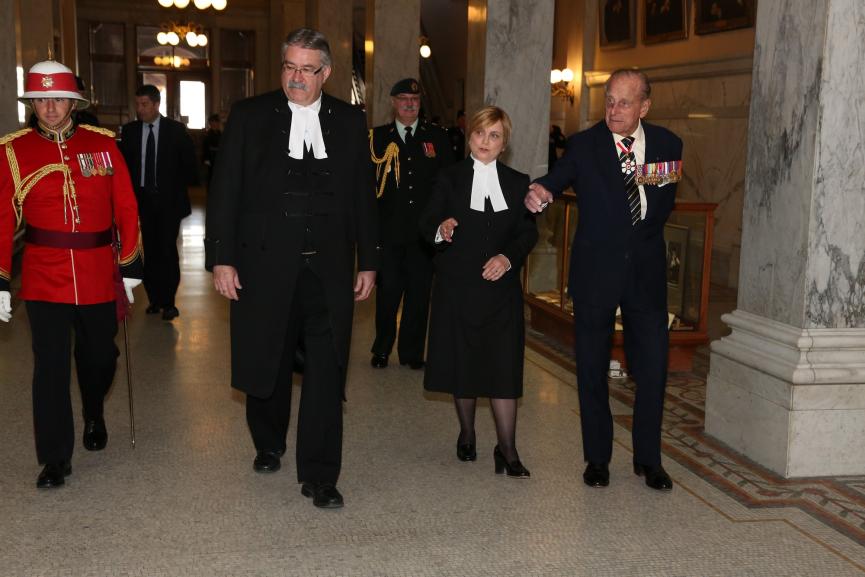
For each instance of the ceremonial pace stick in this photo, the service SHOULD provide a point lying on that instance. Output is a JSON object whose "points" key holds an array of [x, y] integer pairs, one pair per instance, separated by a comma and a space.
{"points": [[129, 380]]}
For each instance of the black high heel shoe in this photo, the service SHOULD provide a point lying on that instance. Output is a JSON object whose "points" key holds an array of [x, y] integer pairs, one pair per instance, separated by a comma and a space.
{"points": [[514, 468], [466, 452]]}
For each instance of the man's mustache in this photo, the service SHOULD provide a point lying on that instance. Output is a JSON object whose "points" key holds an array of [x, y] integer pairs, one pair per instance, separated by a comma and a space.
{"points": [[297, 85]]}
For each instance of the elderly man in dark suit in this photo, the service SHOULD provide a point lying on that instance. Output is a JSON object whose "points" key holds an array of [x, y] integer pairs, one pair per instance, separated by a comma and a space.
{"points": [[291, 207], [161, 160], [409, 151], [618, 258]]}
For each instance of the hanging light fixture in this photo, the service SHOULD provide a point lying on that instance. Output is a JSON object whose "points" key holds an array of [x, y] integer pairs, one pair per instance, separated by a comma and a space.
{"points": [[172, 33], [200, 4], [425, 50]]}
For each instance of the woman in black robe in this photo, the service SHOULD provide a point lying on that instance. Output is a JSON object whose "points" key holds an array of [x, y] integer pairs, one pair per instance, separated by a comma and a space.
{"points": [[483, 233]]}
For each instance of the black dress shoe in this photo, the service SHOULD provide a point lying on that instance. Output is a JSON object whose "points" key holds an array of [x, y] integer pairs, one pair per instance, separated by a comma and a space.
{"points": [[466, 452], [153, 309], [596, 475], [324, 495], [95, 435], [514, 468], [266, 462], [53, 475], [170, 313], [414, 365], [656, 477], [378, 361]]}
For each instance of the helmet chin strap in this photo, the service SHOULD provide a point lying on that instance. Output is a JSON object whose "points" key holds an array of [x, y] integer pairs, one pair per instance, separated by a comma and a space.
{"points": [[58, 128]]}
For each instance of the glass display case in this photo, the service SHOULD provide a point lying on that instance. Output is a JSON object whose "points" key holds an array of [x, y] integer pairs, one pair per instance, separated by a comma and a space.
{"points": [[688, 234]]}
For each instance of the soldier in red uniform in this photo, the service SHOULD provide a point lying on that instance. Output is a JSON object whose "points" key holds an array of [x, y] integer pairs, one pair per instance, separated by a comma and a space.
{"points": [[70, 185]]}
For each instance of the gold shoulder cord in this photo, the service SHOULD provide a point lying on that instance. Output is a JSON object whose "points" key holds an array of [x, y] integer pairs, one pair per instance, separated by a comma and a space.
{"points": [[391, 156], [98, 130], [24, 185]]}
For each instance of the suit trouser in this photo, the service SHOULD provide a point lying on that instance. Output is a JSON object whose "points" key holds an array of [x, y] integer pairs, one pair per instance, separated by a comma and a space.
{"points": [[159, 231], [52, 326], [406, 275], [646, 347], [319, 421]]}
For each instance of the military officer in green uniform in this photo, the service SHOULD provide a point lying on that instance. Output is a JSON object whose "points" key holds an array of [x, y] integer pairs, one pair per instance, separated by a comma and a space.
{"points": [[408, 153]]}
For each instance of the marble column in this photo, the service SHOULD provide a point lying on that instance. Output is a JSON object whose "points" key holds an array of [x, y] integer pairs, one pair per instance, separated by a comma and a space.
{"points": [[285, 16], [334, 19], [787, 387], [513, 40], [37, 32], [392, 31], [8, 78]]}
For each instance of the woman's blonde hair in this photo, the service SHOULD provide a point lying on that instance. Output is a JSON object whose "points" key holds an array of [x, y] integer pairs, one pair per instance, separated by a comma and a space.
{"points": [[489, 115]]}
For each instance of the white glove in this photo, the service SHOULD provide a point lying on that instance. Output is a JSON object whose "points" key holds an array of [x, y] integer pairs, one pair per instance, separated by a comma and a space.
{"points": [[129, 284], [5, 306]]}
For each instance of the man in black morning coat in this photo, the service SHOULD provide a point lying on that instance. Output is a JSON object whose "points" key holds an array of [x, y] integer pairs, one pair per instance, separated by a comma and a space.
{"points": [[618, 258], [291, 206], [163, 199], [405, 184]]}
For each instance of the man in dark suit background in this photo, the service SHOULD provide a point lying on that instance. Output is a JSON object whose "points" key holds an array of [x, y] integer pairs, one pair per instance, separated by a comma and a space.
{"points": [[411, 151], [161, 160], [291, 207], [618, 258]]}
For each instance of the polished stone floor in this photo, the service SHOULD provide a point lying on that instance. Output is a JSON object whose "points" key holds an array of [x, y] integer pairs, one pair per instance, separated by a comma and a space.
{"points": [[185, 501]]}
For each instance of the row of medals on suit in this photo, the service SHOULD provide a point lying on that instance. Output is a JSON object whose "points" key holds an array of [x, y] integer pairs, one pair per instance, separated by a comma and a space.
{"points": [[659, 173], [95, 164]]}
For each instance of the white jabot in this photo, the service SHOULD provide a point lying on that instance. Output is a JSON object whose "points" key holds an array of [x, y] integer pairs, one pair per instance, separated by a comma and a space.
{"points": [[305, 130], [485, 184]]}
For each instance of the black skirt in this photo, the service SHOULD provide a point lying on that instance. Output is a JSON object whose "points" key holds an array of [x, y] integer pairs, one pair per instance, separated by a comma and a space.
{"points": [[476, 337]]}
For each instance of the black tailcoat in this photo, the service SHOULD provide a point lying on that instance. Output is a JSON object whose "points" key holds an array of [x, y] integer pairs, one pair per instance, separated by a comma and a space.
{"points": [[256, 208], [616, 263]]}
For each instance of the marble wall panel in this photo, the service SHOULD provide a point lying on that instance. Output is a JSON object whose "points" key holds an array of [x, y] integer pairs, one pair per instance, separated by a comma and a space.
{"points": [[334, 19], [835, 289]]}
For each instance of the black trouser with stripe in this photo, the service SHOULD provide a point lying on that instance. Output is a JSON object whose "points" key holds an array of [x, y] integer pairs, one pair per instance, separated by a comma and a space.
{"points": [[319, 423], [52, 326]]}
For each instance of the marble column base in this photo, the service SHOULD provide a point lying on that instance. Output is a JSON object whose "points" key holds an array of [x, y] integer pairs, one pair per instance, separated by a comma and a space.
{"points": [[791, 399]]}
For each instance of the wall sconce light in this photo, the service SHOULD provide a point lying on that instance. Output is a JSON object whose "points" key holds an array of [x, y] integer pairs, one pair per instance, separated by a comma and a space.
{"points": [[560, 84], [425, 50]]}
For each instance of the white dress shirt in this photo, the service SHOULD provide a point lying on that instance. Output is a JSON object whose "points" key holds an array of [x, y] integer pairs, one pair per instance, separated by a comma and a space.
{"points": [[400, 128]]}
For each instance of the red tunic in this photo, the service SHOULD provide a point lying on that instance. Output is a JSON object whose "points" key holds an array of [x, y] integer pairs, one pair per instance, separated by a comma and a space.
{"points": [[66, 275]]}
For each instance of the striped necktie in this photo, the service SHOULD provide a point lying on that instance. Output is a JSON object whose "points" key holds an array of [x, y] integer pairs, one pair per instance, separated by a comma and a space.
{"points": [[629, 173]]}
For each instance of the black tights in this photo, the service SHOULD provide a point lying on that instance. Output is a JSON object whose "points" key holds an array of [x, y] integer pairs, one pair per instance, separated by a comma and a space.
{"points": [[505, 416]]}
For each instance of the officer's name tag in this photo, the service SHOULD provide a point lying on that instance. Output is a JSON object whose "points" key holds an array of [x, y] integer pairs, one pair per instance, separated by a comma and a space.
{"points": [[95, 164], [659, 173]]}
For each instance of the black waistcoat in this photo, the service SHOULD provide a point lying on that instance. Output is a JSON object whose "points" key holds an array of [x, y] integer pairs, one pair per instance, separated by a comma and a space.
{"points": [[308, 199]]}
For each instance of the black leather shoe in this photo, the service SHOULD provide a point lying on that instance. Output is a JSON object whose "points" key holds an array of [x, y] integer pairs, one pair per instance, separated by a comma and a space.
{"points": [[514, 468], [266, 462], [596, 475], [153, 309], [170, 313], [466, 452], [324, 495], [378, 361], [95, 435], [414, 365], [656, 477], [53, 475]]}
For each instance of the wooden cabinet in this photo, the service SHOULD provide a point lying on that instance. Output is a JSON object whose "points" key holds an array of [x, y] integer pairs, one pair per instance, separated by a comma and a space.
{"points": [[688, 234]]}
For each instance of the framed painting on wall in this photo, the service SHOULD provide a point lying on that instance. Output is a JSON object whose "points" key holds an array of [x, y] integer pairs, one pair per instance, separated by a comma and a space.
{"points": [[617, 22], [664, 20], [676, 239], [721, 15]]}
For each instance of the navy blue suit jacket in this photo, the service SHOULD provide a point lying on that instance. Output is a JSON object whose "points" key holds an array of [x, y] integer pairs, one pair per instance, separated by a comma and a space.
{"points": [[607, 250]]}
